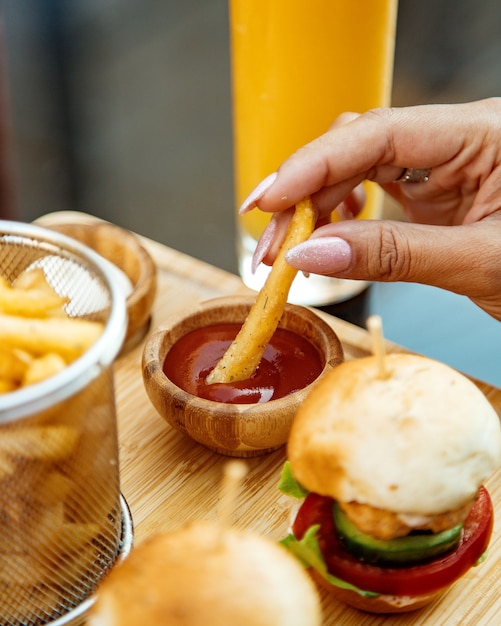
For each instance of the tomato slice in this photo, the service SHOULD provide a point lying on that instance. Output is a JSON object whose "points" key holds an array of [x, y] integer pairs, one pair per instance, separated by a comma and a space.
{"points": [[409, 581]]}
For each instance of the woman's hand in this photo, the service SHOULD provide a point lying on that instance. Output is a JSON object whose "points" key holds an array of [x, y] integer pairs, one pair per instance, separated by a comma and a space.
{"points": [[453, 237]]}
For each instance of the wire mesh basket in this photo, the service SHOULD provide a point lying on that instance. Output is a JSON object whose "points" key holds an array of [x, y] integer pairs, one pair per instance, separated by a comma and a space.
{"points": [[63, 521]]}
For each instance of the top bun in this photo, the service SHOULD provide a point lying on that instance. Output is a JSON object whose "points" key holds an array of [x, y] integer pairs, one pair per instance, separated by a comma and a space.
{"points": [[421, 441], [207, 574]]}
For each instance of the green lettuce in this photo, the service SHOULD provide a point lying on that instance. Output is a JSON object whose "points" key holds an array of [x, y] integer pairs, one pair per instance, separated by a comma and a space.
{"points": [[308, 552], [307, 549], [288, 485]]}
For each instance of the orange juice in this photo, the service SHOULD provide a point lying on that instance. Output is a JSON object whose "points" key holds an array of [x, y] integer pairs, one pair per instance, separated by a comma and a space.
{"points": [[295, 66]]}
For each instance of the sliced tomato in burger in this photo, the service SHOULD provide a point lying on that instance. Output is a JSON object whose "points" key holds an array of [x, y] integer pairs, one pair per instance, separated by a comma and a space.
{"points": [[316, 541]]}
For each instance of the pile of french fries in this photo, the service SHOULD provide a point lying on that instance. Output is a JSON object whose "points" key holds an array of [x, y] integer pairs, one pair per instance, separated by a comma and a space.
{"points": [[54, 524], [37, 338]]}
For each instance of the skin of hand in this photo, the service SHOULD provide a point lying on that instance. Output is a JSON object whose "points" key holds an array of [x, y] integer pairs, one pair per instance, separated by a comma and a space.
{"points": [[451, 237]]}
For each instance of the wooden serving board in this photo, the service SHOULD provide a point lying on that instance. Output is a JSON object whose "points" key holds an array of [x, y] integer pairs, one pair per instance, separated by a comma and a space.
{"points": [[168, 479]]}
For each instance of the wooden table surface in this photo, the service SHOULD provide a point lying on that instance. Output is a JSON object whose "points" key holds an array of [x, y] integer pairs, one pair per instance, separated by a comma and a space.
{"points": [[168, 479]]}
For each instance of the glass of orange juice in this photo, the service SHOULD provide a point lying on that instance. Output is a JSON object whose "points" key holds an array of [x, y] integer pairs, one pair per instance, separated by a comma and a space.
{"points": [[296, 66]]}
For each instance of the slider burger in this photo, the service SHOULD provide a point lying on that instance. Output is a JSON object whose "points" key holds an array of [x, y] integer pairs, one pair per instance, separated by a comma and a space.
{"points": [[392, 469], [204, 574]]}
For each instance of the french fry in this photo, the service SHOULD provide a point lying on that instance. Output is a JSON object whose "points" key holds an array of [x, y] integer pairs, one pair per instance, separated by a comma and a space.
{"points": [[37, 337], [34, 278], [49, 443], [6, 386], [42, 367], [68, 337], [13, 364], [8, 467], [32, 302], [242, 357]]}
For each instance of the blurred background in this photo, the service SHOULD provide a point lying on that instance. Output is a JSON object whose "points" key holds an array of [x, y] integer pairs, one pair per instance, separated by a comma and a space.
{"points": [[121, 108]]}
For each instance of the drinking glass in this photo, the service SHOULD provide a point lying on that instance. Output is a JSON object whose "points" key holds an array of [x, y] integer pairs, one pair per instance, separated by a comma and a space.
{"points": [[295, 67]]}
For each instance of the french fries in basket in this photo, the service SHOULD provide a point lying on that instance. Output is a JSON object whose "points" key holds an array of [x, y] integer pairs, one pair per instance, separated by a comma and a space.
{"points": [[33, 301], [50, 544], [37, 337], [67, 337], [243, 356]]}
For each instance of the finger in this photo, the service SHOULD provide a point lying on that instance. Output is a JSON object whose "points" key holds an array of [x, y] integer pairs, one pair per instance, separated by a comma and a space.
{"points": [[347, 200], [487, 201], [344, 118], [394, 251], [271, 239], [251, 201], [274, 233], [377, 145], [353, 204]]}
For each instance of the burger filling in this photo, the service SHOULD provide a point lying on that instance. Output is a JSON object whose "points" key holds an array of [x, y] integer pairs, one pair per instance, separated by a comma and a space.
{"points": [[384, 524], [375, 556], [415, 547]]}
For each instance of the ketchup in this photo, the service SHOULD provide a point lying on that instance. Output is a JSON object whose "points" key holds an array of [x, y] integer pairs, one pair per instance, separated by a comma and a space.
{"points": [[290, 362]]}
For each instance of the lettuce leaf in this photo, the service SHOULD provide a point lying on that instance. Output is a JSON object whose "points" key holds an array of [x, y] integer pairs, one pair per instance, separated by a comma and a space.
{"points": [[307, 549], [308, 552], [288, 485]]}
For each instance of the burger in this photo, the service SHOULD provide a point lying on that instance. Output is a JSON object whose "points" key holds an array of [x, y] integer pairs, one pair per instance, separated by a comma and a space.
{"points": [[205, 573], [391, 472]]}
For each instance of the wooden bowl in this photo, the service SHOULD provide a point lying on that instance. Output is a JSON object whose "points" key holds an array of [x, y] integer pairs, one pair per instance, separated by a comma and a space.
{"points": [[124, 250], [240, 430]]}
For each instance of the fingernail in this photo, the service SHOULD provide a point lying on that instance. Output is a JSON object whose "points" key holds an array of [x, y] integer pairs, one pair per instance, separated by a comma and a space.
{"points": [[263, 245], [325, 255], [258, 192]]}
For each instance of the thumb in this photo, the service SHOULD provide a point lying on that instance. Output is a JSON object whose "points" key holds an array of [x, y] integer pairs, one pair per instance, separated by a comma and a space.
{"points": [[456, 258]]}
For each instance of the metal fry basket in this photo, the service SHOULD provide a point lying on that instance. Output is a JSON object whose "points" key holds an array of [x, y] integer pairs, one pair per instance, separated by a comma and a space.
{"points": [[63, 521]]}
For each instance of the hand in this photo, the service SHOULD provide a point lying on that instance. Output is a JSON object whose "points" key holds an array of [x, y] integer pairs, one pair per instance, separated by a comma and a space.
{"points": [[453, 237]]}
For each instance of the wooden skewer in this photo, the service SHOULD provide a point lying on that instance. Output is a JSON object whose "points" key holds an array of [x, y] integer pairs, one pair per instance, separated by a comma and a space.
{"points": [[234, 473], [375, 326]]}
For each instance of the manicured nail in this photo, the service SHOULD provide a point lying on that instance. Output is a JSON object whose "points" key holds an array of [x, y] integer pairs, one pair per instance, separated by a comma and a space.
{"points": [[258, 192], [324, 255], [264, 243]]}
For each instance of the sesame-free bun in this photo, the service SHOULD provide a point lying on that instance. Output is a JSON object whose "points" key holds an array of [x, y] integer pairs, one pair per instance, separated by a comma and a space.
{"points": [[420, 441], [207, 574]]}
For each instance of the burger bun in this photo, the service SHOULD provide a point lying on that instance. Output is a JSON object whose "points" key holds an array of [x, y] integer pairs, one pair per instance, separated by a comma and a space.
{"points": [[205, 573], [356, 431]]}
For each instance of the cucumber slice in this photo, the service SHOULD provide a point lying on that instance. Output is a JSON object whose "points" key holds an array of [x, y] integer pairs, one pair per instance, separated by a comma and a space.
{"points": [[414, 548]]}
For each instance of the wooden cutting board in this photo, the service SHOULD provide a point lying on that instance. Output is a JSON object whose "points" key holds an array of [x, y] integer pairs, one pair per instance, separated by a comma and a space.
{"points": [[168, 479]]}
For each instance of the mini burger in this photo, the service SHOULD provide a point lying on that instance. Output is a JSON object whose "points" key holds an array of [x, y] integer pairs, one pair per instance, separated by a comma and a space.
{"points": [[207, 574], [392, 469]]}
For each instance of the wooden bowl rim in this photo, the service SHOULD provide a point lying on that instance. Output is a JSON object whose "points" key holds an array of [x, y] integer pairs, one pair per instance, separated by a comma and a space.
{"points": [[139, 301]]}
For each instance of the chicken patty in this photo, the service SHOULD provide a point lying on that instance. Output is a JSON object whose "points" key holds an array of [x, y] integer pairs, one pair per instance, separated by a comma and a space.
{"points": [[384, 524]]}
